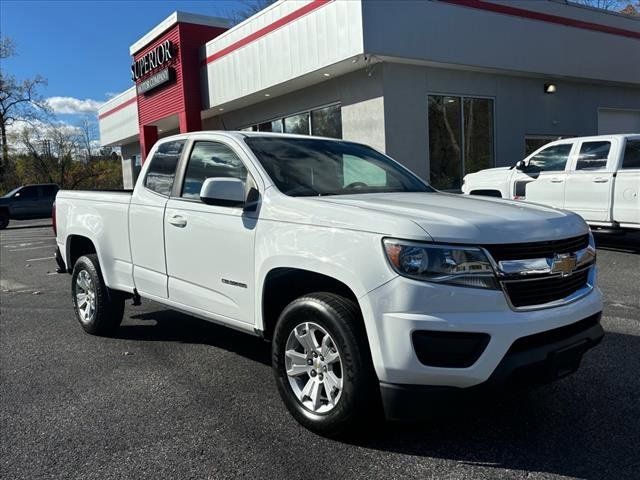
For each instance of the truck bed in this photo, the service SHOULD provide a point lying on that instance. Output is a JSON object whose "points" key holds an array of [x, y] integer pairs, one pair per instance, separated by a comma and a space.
{"points": [[110, 196]]}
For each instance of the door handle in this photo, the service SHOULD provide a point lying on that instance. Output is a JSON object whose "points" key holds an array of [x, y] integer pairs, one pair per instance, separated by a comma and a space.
{"points": [[600, 180], [557, 180], [178, 221]]}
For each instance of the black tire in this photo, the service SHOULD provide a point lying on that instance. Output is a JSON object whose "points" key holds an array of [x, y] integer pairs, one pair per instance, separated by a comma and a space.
{"points": [[4, 220], [359, 397], [108, 304]]}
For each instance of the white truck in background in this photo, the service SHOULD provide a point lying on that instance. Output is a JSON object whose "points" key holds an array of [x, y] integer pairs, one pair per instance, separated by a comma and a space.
{"points": [[595, 177], [370, 284]]}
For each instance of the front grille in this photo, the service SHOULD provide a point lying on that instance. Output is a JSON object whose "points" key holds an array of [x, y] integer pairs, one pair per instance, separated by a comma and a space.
{"points": [[525, 293], [524, 251]]}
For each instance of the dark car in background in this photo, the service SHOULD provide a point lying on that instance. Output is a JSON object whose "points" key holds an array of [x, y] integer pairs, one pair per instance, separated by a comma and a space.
{"points": [[27, 202]]}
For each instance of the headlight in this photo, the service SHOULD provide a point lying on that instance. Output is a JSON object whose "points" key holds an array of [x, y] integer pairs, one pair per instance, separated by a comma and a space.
{"points": [[454, 265]]}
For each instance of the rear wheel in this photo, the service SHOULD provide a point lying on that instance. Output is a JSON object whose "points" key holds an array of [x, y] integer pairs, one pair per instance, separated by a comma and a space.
{"points": [[98, 308], [322, 364]]}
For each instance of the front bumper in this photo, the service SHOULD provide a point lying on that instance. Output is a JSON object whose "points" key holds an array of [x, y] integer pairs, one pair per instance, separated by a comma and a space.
{"points": [[537, 358], [397, 309]]}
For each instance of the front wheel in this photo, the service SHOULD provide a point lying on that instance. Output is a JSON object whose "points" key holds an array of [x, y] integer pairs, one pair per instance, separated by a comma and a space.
{"points": [[98, 308], [322, 363]]}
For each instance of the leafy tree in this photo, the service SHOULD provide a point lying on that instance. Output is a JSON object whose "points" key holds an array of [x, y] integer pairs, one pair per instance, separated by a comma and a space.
{"points": [[63, 154], [19, 100]]}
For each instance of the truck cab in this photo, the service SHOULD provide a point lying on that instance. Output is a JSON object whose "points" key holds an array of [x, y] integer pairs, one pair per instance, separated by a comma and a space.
{"points": [[595, 177]]}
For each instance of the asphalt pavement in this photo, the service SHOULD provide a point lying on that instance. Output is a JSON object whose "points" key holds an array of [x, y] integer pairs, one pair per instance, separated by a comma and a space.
{"points": [[176, 397]]}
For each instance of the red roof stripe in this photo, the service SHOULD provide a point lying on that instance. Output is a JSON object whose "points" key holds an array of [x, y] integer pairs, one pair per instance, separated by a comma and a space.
{"points": [[544, 17], [281, 22], [119, 107]]}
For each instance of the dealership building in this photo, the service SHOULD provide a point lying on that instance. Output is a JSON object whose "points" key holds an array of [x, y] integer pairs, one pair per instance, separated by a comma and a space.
{"points": [[446, 87]]}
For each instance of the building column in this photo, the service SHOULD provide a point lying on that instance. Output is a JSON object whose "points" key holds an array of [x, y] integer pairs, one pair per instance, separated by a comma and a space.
{"points": [[148, 137], [190, 121]]}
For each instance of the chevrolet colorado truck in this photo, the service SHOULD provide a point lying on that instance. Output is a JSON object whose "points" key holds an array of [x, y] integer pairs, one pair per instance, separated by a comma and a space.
{"points": [[595, 177], [372, 287]]}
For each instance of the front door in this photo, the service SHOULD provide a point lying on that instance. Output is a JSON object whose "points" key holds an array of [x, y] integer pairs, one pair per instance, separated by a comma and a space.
{"points": [[546, 172], [210, 248], [590, 180], [25, 203]]}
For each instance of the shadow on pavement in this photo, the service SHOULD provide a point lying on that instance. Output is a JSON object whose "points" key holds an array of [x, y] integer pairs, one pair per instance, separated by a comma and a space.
{"points": [[586, 425], [173, 326], [628, 242]]}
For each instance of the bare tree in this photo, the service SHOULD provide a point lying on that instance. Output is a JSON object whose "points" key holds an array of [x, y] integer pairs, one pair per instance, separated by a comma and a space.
{"points": [[614, 5], [19, 100], [249, 8]]}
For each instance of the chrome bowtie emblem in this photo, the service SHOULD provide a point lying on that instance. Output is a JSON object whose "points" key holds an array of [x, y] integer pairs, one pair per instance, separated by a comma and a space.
{"points": [[563, 263]]}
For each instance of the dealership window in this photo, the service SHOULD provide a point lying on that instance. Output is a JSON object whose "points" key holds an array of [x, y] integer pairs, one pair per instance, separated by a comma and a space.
{"points": [[327, 122], [211, 159], [535, 142], [323, 121], [461, 138], [593, 155], [297, 124], [162, 169]]}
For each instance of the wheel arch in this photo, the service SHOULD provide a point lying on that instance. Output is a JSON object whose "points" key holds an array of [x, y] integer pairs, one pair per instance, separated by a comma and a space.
{"points": [[282, 285], [76, 247]]}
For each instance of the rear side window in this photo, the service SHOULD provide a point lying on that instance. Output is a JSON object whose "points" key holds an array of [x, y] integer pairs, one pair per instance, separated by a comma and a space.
{"points": [[49, 190], [207, 160], [631, 155], [162, 169], [593, 155]]}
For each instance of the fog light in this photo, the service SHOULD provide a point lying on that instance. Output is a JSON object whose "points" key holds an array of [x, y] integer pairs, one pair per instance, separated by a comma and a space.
{"points": [[449, 349]]}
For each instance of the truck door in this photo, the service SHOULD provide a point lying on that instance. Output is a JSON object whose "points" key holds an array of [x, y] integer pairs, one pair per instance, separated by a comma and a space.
{"points": [[210, 248], [146, 220], [547, 170], [589, 183], [626, 197]]}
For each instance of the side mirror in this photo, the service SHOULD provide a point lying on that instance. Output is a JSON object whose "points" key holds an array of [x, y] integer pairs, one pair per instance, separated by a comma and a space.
{"points": [[226, 192], [17, 195], [520, 165]]}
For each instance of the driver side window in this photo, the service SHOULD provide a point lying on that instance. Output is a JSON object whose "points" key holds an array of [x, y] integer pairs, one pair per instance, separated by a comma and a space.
{"points": [[551, 159], [207, 160]]}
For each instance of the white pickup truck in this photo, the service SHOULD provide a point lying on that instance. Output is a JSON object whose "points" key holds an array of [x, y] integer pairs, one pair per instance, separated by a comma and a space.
{"points": [[369, 284], [596, 177]]}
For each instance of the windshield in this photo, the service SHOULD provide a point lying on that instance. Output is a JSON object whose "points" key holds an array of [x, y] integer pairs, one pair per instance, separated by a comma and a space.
{"points": [[10, 194], [312, 167]]}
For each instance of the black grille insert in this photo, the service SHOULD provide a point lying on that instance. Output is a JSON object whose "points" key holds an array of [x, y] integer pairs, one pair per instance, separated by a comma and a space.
{"points": [[545, 290], [552, 336], [523, 251]]}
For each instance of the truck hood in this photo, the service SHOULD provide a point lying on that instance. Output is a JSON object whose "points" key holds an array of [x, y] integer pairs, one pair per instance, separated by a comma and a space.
{"points": [[499, 172], [470, 220]]}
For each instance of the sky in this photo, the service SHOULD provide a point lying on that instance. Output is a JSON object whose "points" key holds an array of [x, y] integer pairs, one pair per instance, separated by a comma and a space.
{"points": [[82, 47]]}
